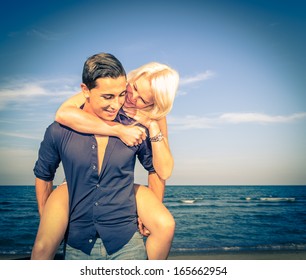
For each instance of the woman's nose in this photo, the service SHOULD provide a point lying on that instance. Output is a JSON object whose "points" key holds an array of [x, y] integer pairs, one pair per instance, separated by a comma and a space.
{"points": [[134, 94]]}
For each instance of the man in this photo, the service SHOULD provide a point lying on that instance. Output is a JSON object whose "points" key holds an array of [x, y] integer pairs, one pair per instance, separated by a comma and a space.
{"points": [[99, 171]]}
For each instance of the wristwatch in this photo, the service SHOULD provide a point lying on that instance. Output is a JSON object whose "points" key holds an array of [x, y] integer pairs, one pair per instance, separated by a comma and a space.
{"points": [[157, 138]]}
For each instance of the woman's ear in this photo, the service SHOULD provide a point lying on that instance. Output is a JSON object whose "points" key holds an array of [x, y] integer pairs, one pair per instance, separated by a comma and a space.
{"points": [[85, 90]]}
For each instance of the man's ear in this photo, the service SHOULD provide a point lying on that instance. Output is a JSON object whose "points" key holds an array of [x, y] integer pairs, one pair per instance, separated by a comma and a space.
{"points": [[85, 90]]}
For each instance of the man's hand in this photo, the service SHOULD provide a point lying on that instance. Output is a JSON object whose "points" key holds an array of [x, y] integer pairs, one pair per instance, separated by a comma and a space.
{"points": [[143, 230], [132, 135]]}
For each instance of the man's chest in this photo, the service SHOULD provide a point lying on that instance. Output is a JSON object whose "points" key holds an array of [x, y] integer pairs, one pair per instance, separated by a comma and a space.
{"points": [[96, 152], [102, 142]]}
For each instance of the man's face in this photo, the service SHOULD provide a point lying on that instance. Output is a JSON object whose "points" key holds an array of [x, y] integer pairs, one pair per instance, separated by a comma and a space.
{"points": [[106, 99]]}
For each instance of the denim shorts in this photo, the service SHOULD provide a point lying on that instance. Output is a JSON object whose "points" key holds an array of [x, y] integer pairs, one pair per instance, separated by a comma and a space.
{"points": [[133, 250]]}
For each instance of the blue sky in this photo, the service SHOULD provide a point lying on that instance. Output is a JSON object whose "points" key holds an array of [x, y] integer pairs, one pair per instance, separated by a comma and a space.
{"points": [[240, 113]]}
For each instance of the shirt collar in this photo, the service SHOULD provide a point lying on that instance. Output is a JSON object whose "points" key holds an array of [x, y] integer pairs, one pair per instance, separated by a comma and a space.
{"points": [[123, 118]]}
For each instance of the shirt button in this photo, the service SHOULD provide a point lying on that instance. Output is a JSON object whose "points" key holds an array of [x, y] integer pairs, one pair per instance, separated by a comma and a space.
{"points": [[96, 203], [97, 185], [93, 147], [90, 240], [93, 167]]}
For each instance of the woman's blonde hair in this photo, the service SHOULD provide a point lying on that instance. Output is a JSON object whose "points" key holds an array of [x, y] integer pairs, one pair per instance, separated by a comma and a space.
{"points": [[164, 83]]}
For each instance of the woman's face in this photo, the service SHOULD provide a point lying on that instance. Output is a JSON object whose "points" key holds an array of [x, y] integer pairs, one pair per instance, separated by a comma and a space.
{"points": [[139, 94]]}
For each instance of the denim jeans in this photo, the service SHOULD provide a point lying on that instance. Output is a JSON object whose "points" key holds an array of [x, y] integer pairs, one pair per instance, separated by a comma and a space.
{"points": [[133, 250]]}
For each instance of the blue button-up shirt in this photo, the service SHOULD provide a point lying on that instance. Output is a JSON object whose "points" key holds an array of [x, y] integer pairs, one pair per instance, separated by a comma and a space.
{"points": [[99, 203]]}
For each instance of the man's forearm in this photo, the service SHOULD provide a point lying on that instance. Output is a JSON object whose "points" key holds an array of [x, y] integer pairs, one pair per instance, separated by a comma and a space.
{"points": [[43, 190]]}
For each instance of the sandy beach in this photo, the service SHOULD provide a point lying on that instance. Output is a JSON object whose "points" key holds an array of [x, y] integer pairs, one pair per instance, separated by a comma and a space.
{"points": [[258, 255]]}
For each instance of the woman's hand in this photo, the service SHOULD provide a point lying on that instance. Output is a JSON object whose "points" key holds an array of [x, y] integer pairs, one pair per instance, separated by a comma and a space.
{"points": [[138, 116], [132, 135], [142, 229]]}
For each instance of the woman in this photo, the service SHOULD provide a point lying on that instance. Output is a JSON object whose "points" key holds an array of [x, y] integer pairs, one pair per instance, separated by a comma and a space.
{"points": [[150, 94]]}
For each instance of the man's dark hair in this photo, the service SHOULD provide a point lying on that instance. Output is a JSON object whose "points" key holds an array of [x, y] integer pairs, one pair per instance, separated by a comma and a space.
{"points": [[102, 65]]}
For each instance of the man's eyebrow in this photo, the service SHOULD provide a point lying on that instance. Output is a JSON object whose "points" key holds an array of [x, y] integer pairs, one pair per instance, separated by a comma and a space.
{"points": [[124, 91]]}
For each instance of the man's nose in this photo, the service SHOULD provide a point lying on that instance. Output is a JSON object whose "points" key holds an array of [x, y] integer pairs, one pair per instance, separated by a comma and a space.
{"points": [[116, 103]]}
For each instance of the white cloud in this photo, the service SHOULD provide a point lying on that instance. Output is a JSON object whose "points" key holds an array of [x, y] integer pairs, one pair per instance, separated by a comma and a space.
{"points": [[196, 122], [19, 90], [21, 135], [42, 34], [190, 122], [208, 74], [45, 34], [259, 118]]}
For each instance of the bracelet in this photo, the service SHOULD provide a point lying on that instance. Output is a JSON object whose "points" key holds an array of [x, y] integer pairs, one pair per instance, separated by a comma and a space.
{"points": [[157, 138]]}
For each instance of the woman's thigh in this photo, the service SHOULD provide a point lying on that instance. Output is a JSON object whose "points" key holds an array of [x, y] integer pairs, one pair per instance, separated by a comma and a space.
{"points": [[151, 211], [54, 219]]}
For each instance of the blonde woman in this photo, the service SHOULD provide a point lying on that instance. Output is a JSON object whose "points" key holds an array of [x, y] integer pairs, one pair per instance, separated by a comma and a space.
{"points": [[150, 95]]}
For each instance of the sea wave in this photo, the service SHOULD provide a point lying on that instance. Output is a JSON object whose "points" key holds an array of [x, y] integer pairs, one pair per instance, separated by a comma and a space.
{"points": [[277, 199], [272, 199], [263, 247], [188, 201]]}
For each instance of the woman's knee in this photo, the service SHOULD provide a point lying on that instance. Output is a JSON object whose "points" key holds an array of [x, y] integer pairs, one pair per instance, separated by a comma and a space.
{"points": [[43, 247], [165, 224]]}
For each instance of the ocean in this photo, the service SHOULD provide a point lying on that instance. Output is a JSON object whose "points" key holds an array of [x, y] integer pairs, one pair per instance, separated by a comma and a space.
{"points": [[208, 218]]}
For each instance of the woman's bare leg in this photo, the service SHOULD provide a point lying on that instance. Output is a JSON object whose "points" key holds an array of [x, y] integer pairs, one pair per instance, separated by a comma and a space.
{"points": [[158, 220], [53, 225]]}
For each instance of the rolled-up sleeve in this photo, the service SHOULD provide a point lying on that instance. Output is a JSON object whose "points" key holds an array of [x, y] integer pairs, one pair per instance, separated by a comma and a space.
{"points": [[48, 156]]}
